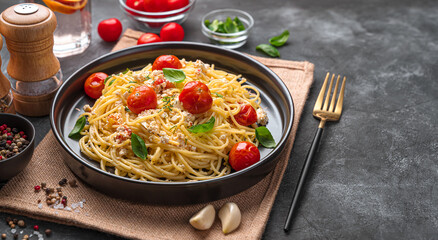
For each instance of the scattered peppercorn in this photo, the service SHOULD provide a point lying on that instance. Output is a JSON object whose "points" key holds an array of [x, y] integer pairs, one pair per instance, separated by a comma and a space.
{"points": [[63, 182], [37, 188], [43, 184], [26, 236], [15, 235], [8, 219], [12, 142], [36, 227], [73, 183], [12, 225], [4, 236], [15, 221], [48, 232], [21, 223]]}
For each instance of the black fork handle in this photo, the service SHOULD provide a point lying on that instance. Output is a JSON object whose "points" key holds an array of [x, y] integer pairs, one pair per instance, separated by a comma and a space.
{"points": [[303, 174]]}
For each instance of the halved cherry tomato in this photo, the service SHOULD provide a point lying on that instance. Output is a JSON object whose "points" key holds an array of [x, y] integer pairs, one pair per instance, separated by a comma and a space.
{"points": [[142, 98], [242, 155], [246, 116], [172, 32], [65, 6], [135, 4], [110, 29], [155, 5], [161, 80], [195, 97], [177, 4], [94, 84], [166, 61], [148, 38]]}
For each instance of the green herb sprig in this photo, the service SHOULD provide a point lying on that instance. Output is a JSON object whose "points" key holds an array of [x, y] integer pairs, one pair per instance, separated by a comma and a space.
{"points": [[229, 26], [201, 128], [174, 75], [168, 102], [265, 137], [79, 125]]}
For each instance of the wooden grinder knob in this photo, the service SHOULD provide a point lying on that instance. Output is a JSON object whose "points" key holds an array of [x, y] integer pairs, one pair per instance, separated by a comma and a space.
{"points": [[28, 29], [5, 85]]}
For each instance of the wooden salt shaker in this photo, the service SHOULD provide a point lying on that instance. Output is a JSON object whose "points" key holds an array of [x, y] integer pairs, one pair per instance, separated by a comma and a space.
{"points": [[33, 69], [6, 104]]}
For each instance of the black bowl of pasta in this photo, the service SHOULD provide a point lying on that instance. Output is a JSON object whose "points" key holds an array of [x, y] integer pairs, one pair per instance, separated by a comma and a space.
{"points": [[164, 154]]}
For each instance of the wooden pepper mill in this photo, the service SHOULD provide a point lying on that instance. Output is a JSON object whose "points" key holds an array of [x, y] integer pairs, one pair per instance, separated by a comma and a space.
{"points": [[6, 103], [33, 69]]}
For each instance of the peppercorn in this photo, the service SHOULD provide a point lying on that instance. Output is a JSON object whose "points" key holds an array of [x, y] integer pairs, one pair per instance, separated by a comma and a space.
{"points": [[3, 235], [8, 219], [73, 183], [12, 225], [49, 190], [21, 223], [48, 232], [26, 236], [15, 235], [63, 182], [15, 221], [37, 188], [43, 184], [58, 189], [36, 227]]}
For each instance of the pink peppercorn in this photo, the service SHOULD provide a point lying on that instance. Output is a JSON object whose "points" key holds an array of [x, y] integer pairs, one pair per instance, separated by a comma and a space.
{"points": [[36, 228], [2, 128], [9, 134], [9, 142], [4, 132], [37, 187], [24, 136], [1, 157], [21, 133], [5, 126]]}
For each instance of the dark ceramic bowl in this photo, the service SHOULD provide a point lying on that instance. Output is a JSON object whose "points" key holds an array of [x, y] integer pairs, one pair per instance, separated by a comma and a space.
{"points": [[275, 98], [14, 165]]}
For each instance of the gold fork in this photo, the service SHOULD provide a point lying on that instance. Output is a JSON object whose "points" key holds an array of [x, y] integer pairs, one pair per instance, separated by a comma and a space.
{"points": [[324, 112]]}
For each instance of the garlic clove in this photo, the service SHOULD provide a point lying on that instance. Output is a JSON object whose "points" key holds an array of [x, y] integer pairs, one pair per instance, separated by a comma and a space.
{"points": [[204, 218], [230, 217]]}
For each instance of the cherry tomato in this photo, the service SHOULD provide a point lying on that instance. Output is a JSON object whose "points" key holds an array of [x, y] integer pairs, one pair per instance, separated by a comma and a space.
{"points": [[148, 38], [94, 84], [135, 4], [110, 29], [160, 81], [243, 155], [177, 4], [155, 5], [195, 97], [142, 98], [246, 116], [166, 61], [172, 32]]}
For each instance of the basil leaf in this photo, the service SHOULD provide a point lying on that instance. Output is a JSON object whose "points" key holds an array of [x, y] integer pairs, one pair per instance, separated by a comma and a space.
{"points": [[269, 50], [126, 71], [132, 82], [107, 78], [174, 75], [239, 23], [265, 138], [218, 95], [127, 109], [112, 81], [79, 125], [279, 40], [138, 146], [201, 128], [221, 28], [214, 25], [207, 23], [230, 26]]}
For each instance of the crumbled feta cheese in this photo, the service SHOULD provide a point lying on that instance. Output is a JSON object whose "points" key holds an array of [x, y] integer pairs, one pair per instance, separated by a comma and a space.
{"points": [[156, 74], [164, 139], [122, 152], [262, 117], [164, 115], [151, 126], [87, 108], [222, 137]]}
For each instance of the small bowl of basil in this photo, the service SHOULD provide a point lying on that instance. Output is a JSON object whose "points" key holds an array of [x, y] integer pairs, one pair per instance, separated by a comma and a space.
{"points": [[228, 28]]}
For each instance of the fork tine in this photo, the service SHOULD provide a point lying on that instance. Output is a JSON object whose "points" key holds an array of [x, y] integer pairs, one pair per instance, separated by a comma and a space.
{"points": [[327, 98], [318, 103], [332, 102], [341, 98]]}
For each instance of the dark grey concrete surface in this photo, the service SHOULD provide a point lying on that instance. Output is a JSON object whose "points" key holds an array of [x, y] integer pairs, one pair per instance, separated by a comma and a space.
{"points": [[375, 175]]}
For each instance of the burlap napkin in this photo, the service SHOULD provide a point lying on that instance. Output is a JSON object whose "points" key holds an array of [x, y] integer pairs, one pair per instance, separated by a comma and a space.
{"points": [[142, 221]]}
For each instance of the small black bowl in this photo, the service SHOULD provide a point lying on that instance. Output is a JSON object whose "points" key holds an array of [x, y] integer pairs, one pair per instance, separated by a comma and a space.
{"points": [[12, 166]]}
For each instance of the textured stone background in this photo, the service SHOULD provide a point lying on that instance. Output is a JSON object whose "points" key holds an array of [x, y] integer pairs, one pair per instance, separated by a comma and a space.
{"points": [[376, 171]]}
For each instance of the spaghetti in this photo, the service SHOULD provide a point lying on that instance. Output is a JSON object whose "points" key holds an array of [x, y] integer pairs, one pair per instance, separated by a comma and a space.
{"points": [[174, 153]]}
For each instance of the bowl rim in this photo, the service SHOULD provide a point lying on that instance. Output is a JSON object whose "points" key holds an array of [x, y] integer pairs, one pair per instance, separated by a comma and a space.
{"points": [[31, 140], [144, 13], [246, 31], [120, 53]]}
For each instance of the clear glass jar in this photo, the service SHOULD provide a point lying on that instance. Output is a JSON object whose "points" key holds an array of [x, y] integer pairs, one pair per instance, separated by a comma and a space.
{"points": [[6, 103]]}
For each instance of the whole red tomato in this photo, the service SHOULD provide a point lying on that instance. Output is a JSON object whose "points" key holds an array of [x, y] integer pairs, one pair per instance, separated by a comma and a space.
{"points": [[243, 155], [110, 29], [135, 4], [166, 61], [94, 84], [148, 38], [172, 32], [142, 98], [195, 97], [160, 81], [246, 116], [177, 4], [155, 5]]}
